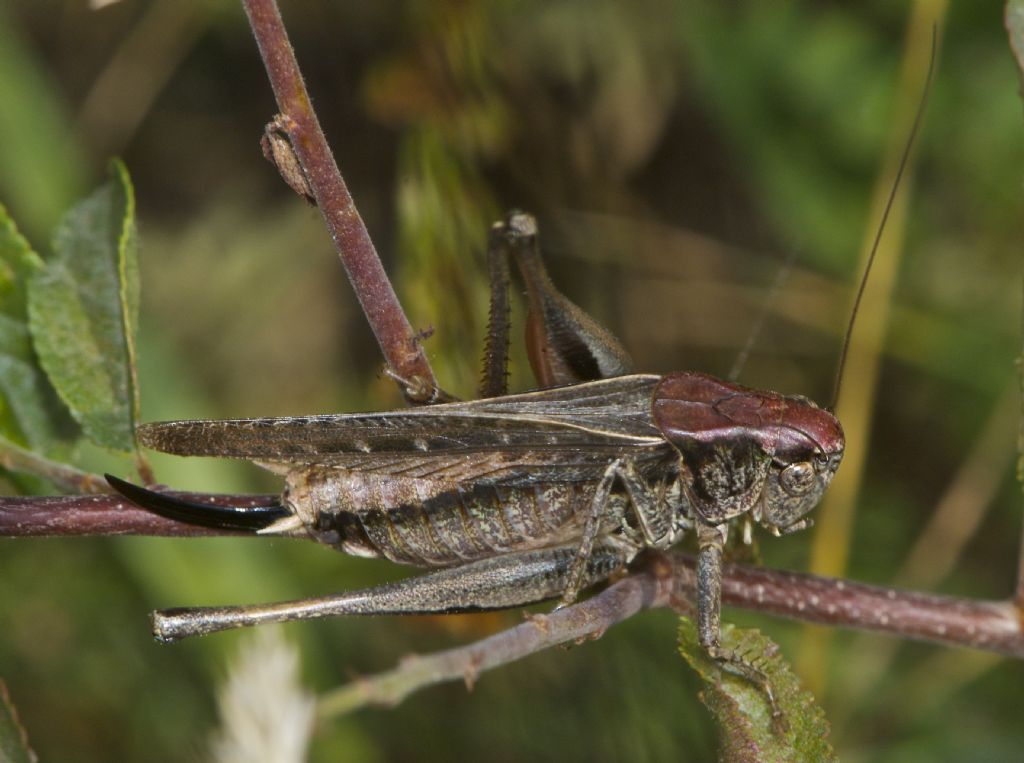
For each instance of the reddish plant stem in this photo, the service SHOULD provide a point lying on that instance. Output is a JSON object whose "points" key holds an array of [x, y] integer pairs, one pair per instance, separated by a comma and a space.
{"points": [[670, 580], [394, 334], [583, 620], [106, 514], [994, 626]]}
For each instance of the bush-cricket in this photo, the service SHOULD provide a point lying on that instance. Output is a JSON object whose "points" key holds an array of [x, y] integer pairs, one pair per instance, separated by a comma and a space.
{"points": [[515, 499]]}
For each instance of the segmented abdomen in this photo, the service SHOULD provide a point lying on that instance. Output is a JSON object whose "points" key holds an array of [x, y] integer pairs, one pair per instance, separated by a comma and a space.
{"points": [[434, 523]]}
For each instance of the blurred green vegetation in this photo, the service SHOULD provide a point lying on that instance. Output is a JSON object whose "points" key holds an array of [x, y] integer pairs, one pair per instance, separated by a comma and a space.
{"points": [[675, 154]]}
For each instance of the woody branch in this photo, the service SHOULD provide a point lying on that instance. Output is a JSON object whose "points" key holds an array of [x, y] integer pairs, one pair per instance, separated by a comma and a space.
{"points": [[670, 580], [394, 334]]}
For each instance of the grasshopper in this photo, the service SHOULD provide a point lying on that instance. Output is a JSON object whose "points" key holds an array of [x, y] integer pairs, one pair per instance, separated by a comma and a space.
{"points": [[515, 499]]}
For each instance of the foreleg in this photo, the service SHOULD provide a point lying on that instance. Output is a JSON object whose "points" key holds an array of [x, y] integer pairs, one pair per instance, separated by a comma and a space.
{"points": [[711, 541]]}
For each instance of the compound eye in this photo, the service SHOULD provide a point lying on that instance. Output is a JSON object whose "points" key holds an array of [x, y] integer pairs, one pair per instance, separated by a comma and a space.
{"points": [[797, 479], [821, 460]]}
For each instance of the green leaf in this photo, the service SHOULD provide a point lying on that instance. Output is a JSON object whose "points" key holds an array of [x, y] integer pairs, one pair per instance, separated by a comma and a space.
{"points": [[29, 410], [17, 263], [13, 739], [741, 709], [83, 313]]}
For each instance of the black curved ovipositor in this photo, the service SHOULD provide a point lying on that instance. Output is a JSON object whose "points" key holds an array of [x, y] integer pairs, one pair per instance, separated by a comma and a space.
{"points": [[251, 518]]}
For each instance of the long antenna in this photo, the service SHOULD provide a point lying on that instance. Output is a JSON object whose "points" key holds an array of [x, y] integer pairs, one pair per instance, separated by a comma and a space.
{"points": [[781, 275], [885, 218]]}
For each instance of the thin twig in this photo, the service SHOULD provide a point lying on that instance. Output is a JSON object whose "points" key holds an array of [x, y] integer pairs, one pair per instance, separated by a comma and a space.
{"points": [[989, 625], [395, 335], [992, 626], [15, 458], [587, 619]]}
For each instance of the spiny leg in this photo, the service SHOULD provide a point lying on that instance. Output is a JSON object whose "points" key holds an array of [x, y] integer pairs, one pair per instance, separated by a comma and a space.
{"points": [[564, 344], [710, 542], [591, 527], [494, 381], [501, 582]]}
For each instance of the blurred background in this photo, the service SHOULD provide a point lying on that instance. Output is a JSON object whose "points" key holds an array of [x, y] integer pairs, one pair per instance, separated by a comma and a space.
{"points": [[677, 154]]}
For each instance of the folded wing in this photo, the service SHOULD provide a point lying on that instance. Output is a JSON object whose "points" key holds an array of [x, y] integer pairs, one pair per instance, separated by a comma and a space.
{"points": [[568, 432]]}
